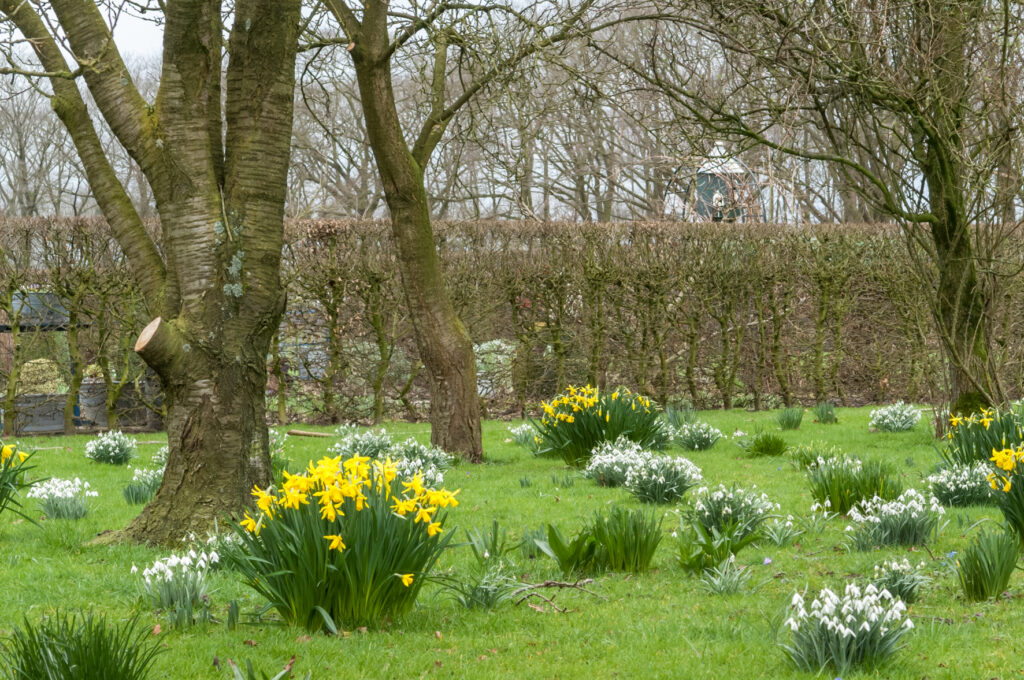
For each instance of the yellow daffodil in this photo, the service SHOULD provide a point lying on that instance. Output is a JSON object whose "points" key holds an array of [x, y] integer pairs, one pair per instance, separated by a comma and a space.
{"points": [[986, 421], [406, 579], [264, 500], [415, 485], [292, 499], [329, 511], [336, 542], [8, 451], [424, 515], [404, 506], [250, 525], [445, 499], [334, 482]]}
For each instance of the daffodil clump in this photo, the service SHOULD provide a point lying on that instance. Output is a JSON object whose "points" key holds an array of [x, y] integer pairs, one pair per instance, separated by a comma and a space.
{"points": [[345, 543], [860, 629], [972, 438], [409, 457], [1008, 487], [898, 417], [13, 477], [572, 424]]}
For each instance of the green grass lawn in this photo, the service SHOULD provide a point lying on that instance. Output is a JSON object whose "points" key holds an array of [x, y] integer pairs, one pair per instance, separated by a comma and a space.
{"points": [[658, 625]]}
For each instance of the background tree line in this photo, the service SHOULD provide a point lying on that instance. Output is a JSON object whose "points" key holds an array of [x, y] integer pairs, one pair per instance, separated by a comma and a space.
{"points": [[546, 146]]}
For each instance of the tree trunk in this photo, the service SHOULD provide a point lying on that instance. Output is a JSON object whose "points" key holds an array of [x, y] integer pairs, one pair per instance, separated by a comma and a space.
{"points": [[214, 148], [277, 369], [444, 345], [962, 320], [214, 400], [961, 307], [442, 340], [77, 370]]}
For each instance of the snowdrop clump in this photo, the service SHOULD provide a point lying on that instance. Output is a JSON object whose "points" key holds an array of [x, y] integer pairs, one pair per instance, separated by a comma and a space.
{"points": [[177, 585], [113, 447], [372, 443], [901, 579], [697, 436], [962, 485], [861, 628], [661, 479], [345, 429], [217, 547], [63, 498], [525, 435], [898, 417], [782, 532], [161, 456], [150, 477], [908, 520], [144, 485], [651, 478], [611, 461], [733, 510]]}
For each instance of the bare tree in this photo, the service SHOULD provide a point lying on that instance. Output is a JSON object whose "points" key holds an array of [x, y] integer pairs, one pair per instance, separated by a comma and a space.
{"points": [[465, 49], [912, 103], [213, 146]]}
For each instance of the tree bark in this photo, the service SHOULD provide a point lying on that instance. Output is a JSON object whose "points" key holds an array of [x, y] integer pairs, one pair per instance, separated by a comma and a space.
{"points": [[962, 320], [442, 340], [215, 409]]}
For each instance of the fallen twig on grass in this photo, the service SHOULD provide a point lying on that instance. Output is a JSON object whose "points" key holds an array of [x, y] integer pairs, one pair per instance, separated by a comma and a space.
{"points": [[307, 433], [532, 590]]}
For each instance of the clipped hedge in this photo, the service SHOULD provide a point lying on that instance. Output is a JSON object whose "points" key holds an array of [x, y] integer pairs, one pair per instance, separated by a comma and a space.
{"points": [[714, 314]]}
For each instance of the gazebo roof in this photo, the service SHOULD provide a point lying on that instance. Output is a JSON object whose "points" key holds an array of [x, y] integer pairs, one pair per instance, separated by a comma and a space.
{"points": [[720, 162]]}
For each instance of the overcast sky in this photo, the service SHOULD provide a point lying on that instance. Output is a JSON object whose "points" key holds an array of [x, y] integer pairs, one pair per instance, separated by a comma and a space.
{"points": [[137, 37]]}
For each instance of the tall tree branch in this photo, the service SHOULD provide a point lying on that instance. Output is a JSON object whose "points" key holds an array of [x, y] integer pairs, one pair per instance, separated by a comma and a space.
{"points": [[67, 102]]}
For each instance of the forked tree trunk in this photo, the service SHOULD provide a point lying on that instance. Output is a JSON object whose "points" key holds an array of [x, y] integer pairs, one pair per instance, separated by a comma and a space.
{"points": [[214, 147]]}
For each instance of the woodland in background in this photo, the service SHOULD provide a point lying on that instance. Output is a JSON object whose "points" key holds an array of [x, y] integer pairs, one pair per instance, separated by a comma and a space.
{"points": [[712, 315]]}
